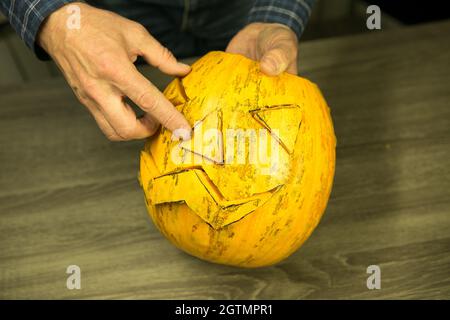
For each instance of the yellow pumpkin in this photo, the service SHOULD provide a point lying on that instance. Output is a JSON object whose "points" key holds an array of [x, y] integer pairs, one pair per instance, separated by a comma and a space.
{"points": [[253, 182]]}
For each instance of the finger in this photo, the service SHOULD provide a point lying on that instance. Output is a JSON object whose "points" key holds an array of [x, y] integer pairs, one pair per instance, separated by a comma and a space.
{"points": [[238, 47], [150, 122], [152, 101], [277, 60], [160, 57], [122, 118], [102, 123]]}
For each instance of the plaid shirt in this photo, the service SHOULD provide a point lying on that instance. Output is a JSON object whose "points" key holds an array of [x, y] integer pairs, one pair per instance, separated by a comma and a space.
{"points": [[26, 16], [292, 13]]}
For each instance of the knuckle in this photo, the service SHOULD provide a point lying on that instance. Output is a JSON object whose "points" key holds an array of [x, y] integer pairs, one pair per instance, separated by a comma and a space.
{"points": [[106, 71], [81, 95], [84, 100], [140, 30], [169, 119], [112, 137], [148, 102], [106, 65], [125, 133], [89, 89]]}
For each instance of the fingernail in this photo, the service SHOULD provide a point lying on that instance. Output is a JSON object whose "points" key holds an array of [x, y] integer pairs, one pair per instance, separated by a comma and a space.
{"points": [[181, 133], [282, 67], [183, 65]]}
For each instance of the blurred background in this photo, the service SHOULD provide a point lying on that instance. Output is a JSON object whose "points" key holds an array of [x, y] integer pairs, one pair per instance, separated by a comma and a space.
{"points": [[330, 18]]}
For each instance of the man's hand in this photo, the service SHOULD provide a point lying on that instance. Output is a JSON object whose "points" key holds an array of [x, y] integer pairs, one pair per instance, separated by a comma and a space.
{"points": [[273, 44], [97, 61]]}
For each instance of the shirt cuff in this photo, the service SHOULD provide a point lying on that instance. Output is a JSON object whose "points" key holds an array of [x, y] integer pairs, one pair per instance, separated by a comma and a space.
{"points": [[292, 13], [26, 18]]}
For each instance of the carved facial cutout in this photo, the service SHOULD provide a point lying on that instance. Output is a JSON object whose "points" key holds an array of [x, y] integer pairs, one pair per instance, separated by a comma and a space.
{"points": [[215, 173]]}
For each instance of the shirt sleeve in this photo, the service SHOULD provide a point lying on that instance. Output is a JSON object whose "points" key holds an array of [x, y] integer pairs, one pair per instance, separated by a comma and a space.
{"points": [[26, 17], [292, 13]]}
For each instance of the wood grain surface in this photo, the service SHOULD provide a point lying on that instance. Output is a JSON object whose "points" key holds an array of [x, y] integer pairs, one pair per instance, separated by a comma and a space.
{"points": [[69, 196]]}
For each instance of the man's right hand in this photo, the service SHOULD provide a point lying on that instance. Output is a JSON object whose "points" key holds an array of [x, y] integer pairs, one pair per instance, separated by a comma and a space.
{"points": [[97, 61]]}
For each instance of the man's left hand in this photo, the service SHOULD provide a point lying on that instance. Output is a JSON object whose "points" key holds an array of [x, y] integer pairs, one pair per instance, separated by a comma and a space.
{"points": [[273, 44]]}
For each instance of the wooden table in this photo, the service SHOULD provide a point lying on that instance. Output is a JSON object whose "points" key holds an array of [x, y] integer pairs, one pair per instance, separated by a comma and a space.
{"points": [[69, 196]]}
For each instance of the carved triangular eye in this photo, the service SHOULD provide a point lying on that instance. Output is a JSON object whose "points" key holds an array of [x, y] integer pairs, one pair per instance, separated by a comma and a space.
{"points": [[207, 138], [283, 122]]}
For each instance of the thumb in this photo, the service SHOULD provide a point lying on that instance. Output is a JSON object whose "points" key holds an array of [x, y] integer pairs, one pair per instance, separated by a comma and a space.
{"points": [[278, 50], [160, 57], [277, 60]]}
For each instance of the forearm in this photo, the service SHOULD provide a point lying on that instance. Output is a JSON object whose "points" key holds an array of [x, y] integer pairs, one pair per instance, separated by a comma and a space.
{"points": [[292, 13], [26, 17]]}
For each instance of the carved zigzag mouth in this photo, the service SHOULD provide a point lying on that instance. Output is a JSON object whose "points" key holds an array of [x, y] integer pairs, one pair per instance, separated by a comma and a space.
{"points": [[213, 208]]}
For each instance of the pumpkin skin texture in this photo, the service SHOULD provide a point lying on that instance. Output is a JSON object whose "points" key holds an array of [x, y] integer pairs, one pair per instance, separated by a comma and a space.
{"points": [[240, 213]]}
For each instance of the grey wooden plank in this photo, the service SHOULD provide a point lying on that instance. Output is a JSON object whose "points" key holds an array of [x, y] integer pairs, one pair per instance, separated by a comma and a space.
{"points": [[105, 232], [31, 68], [9, 72], [68, 196]]}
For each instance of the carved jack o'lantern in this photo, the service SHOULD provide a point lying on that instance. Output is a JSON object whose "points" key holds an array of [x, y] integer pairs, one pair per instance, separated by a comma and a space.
{"points": [[253, 182]]}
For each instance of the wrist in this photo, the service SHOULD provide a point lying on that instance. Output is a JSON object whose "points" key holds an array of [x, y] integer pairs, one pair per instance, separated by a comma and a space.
{"points": [[254, 28], [55, 27]]}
